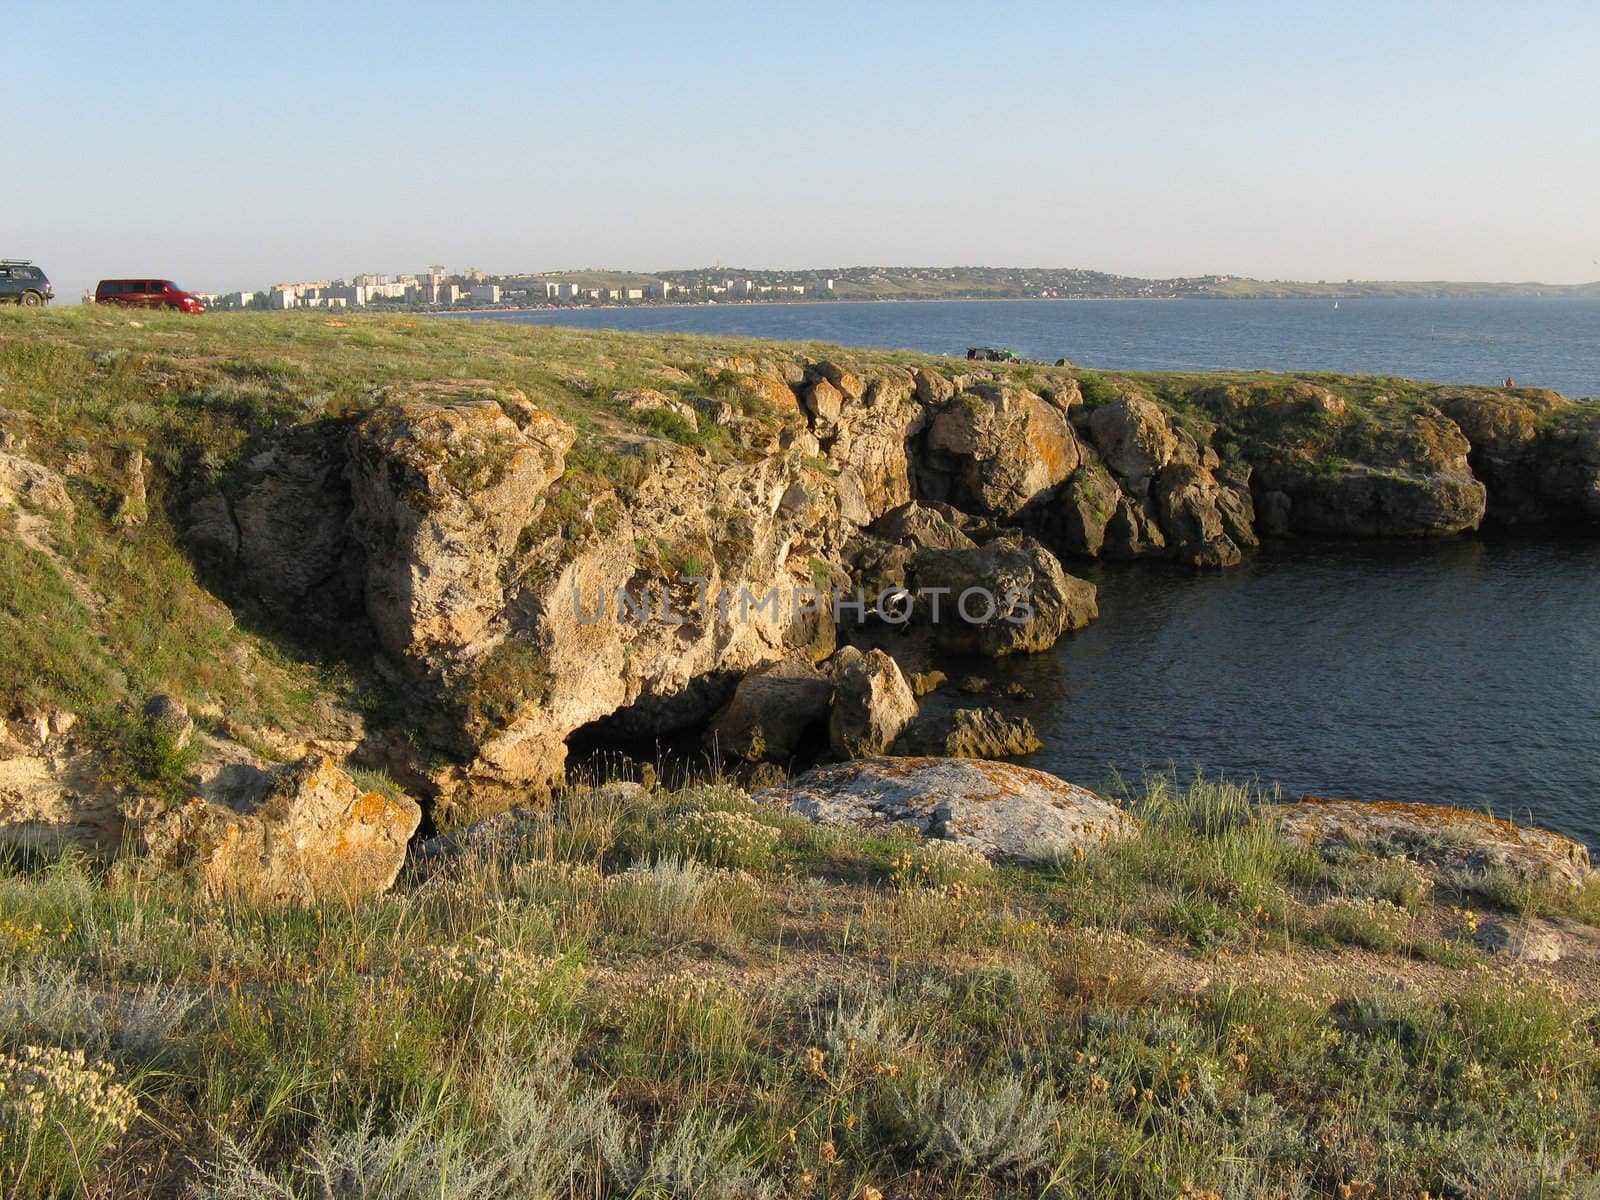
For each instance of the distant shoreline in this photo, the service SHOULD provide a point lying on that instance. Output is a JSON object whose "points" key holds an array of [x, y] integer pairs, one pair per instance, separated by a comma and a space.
{"points": [[674, 304]]}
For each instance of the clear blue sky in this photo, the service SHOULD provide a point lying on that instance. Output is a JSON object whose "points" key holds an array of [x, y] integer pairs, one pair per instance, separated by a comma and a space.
{"points": [[230, 147]]}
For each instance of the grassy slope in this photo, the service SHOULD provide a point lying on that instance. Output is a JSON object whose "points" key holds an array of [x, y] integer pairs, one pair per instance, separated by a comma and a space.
{"points": [[1202, 1007], [684, 994]]}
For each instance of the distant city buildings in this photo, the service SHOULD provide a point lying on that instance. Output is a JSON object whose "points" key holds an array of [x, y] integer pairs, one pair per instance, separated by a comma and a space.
{"points": [[438, 288]]}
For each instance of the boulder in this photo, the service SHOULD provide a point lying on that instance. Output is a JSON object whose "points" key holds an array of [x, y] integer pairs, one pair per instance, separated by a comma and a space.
{"points": [[824, 403], [933, 388], [925, 683], [1134, 440], [1085, 507], [968, 733], [1006, 812], [772, 711], [650, 400], [932, 526], [443, 482], [1005, 448], [300, 833], [1134, 530], [1008, 596], [872, 703], [24, 484], [845, 381], [170, 717], [1203, 522], [1452, 839]]}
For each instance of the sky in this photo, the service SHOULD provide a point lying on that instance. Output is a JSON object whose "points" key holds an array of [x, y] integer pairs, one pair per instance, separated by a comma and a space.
{"points": [[236, 146]]}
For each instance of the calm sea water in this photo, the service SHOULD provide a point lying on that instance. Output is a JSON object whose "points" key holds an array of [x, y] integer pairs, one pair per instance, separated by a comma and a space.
{"points": [[1455, 672], [1460, 672], [1539, 343]]}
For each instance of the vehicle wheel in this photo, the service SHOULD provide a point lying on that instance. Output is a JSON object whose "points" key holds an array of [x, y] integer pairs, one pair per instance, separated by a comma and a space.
{"points": [[31, 299]]}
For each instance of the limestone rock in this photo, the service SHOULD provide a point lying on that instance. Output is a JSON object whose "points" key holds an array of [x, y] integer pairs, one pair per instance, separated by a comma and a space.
{"points": [[932, 526], [1447, 838], [300, 833], [872, 703], [25, 484], [1134, 530], [171, 718], [52, 795], [1006, 812], [291, 515], [1008, 596], [650, 400], [845, 381], [132, 506], [1203, 522], [443, 482], [1085, 507], [1007, 447], [1524, 941], [1134, 439], [772, 711], [933, 388], [824, 403], [968, 733]]}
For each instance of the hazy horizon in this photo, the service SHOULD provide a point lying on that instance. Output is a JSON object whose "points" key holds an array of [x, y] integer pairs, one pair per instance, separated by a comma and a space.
{"points": [[228, 149]]}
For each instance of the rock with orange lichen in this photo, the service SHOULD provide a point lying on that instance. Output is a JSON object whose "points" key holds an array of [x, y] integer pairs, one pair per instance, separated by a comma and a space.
{"points": [[299, 833], [1005, 812], [1454, 839], [1003, 448]]}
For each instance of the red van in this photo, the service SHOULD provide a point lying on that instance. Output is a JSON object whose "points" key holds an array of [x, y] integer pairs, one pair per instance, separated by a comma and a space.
{"points": [[147, 293]]}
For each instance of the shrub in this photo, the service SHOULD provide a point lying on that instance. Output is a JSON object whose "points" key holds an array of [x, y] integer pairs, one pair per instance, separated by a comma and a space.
{"points": [[59, 1113], [1007, 1128], [937, 864], [723, 839]]}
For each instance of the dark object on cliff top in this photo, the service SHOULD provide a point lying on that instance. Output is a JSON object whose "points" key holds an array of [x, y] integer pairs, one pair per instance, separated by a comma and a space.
{"points": [[991, 354]]}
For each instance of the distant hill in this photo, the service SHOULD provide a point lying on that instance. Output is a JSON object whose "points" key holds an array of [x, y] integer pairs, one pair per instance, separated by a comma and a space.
{"points": [[1014, 283]]}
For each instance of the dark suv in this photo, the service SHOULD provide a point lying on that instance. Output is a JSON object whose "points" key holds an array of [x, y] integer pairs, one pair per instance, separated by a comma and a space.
{"points": [[23, 283]]}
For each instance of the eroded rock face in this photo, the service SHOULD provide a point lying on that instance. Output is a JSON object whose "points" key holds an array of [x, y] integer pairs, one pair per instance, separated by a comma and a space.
{"points": [[51, 793], [300, 834], [1205, 523], [1448, 838], [1538, 454], [1407, 479], [872, 703], [1134, 440], [443, 482], [1007, 448], [1006, 812], [1018, 597], [1085, 508], [772, 712], [289, 516]]}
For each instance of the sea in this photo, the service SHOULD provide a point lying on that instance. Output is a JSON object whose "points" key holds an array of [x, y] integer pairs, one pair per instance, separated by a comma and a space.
{"points": [[1463, 671]]}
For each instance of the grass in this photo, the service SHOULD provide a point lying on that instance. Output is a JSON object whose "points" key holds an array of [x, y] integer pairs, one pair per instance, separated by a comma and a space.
{"points": [[678, 992]]}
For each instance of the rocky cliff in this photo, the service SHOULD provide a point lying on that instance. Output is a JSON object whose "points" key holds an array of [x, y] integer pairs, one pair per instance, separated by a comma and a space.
{"points": [[544, 552]]}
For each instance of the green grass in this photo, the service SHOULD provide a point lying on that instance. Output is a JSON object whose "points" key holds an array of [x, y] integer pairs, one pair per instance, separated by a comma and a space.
{"points": [[633, 995]]}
